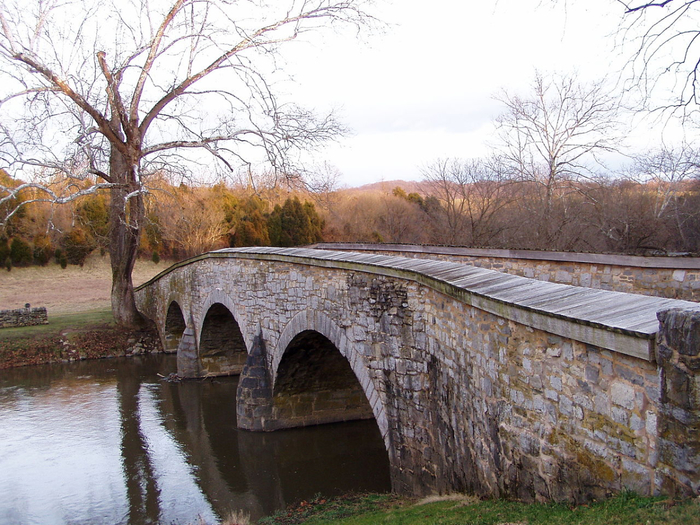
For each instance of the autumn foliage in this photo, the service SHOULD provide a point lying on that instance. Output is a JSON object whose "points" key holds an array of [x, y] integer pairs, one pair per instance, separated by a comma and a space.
{"points": [[483, 209]]}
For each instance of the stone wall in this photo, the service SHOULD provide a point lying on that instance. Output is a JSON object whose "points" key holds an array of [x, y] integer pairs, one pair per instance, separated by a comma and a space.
{"points": [[672, 277], [466, 399], [26, 316]]}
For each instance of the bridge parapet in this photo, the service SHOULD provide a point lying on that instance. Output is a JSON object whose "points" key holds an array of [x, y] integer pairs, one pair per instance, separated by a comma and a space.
{"points": [[624, 323], [478, 380], [661, 276]]}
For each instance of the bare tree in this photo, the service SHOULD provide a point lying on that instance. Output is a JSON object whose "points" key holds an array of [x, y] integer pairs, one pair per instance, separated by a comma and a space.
{"points": [[472, 194], [116, 89], [661, 40], [400, 220], [192, 220], [554, 136], [620, 217], [668, 173]]}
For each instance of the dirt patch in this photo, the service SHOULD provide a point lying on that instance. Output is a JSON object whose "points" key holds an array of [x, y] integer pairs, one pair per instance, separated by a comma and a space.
{"points": [[74, 289]]}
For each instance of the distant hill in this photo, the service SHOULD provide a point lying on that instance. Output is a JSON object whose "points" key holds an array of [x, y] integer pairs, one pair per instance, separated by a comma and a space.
{"points": [[388, 185]]}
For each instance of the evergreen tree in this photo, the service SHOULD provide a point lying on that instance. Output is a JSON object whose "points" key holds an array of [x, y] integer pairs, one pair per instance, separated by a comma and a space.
{"points": [[251, 225], [294, 224], [20, 252], [77, 245], [42, 249], [93, 216]]}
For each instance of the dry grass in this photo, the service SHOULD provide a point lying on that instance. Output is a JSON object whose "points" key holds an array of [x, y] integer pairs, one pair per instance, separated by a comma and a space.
{"points": [[460, 499], [74, 289], [237, 518]]}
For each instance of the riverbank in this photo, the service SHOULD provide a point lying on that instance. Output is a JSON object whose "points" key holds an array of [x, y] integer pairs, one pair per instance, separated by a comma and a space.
{"points": [[69, 337], [389, 509], [77, 300]]}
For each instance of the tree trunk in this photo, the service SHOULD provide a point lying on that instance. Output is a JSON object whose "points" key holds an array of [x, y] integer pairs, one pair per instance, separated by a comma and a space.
{"points": [[125, 221]]}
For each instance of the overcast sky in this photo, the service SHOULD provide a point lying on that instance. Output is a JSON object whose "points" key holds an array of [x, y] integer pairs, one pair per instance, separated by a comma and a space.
{"points": [[424, 89]]}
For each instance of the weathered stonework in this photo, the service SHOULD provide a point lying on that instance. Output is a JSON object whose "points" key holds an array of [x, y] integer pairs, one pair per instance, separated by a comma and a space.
{"points": [[467, 395], [26, 316], [672, 277], [678, 355]]}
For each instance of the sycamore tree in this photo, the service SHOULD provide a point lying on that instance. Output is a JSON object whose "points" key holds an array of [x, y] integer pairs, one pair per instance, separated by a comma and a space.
{"points": [[101, 94]]}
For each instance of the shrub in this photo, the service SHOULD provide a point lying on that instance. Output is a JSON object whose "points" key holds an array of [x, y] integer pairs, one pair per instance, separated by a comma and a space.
{"points": [[77, 245], [42, 249], [8, 263], [4, 248], [93, 215], [20, 252], [155, 257]]}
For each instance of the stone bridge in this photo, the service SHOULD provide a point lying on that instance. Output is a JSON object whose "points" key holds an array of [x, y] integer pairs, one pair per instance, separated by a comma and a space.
{"points": [[479, 381]]}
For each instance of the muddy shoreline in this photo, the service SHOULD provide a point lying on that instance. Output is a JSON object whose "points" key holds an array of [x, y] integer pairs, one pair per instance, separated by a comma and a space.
{"points": [[75, 345]]}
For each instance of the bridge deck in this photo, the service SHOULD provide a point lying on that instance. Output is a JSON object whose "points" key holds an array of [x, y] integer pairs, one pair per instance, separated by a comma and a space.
{"points": [[626, 323]]}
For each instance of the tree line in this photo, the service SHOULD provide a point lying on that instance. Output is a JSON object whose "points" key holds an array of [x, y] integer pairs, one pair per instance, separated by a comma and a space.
{"points": [[602, 215], [652, 207], [179, 221]]}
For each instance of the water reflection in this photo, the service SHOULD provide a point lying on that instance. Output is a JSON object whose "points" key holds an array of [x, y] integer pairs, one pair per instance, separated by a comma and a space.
{"points": [[108, 442], [141, 487]]}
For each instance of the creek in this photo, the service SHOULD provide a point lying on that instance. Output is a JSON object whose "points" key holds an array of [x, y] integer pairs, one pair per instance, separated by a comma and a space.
{"points": [[110, 442]]}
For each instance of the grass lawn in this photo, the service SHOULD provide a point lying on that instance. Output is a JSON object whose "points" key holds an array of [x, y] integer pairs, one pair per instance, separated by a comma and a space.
{"points": [[70, 290], [99, 318], [623, 509]]}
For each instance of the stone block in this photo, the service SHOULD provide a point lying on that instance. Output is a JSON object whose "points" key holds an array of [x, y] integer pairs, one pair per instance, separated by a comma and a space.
{"points": [[555, 382], [566, 406], [629, 374], [620, 415], [622, 394], [592, 374], [554, 352], [552, 395], [636, 477]]}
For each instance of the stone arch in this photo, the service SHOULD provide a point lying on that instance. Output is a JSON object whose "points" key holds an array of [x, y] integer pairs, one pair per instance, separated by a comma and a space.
{"points": [[219, 296], [174, 327], [309, 321], [222, 349]]}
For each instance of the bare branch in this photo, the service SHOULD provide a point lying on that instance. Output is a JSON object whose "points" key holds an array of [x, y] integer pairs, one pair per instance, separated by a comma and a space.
{"points": [[633, 9], [49, 196]]}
